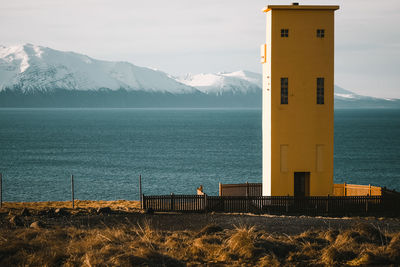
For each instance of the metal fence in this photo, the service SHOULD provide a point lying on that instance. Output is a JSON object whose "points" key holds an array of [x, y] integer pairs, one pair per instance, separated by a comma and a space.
{"points": [[323, 205]]}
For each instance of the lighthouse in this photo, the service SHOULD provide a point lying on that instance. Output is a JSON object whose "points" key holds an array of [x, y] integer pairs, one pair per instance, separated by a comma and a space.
{"points": [[297, 111]]}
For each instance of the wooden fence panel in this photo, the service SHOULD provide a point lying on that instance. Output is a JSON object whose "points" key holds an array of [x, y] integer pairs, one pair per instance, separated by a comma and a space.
{"points": [[246, 189], [335, 205]]}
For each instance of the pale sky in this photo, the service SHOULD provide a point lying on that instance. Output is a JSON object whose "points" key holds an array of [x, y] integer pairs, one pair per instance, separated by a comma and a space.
{"points": [[181, 36]]}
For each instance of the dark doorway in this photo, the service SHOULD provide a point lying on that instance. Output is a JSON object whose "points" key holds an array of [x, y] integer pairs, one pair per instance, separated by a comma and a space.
{"points": [[301, 184]]}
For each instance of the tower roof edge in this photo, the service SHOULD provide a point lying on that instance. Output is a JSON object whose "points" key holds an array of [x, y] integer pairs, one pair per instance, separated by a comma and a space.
{"points": [[300, 7]]}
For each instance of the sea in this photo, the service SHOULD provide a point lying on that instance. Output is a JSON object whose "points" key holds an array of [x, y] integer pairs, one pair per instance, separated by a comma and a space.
{"points": [[174, 151]]}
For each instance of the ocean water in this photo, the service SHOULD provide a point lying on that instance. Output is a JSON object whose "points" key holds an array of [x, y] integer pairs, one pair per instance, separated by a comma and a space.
{"points": [[174, 150]]}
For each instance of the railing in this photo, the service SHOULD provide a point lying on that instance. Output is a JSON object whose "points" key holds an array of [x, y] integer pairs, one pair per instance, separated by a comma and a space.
{"points": [[323, 205], [246, 189], [390, 193], [255, 189], [181, 203]]}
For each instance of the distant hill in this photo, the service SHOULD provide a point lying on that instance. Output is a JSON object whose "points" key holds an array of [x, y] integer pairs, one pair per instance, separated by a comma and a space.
{"points": [[348, 99], [238, 82], [36, 76]]}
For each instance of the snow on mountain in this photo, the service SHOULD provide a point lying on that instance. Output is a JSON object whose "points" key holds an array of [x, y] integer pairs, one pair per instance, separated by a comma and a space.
{"points": [[30, 67], [348, 99], [223, 82], [343, 94]]}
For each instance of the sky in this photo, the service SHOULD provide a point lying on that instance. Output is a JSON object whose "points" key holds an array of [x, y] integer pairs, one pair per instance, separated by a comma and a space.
{"points": [[203, 36]]}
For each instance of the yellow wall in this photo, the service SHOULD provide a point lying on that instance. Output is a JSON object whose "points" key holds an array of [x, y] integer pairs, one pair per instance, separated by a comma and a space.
{"points": [[302, 124]]}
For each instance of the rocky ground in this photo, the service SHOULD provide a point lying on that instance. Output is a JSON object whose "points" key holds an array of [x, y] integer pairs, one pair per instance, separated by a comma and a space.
{"points": [[87, 214]]}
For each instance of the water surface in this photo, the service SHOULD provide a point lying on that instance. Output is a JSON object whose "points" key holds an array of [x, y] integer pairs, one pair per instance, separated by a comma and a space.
{"points": [[173, 150]]}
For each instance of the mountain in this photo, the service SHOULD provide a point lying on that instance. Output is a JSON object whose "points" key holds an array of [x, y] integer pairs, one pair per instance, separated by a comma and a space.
{"points": [[36, 76], [239, 82], [348, 99], [36, 68]]}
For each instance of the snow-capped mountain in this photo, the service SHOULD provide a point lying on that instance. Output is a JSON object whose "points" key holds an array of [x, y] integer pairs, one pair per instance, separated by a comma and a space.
{"points": [[347, 99], [224, 82], [343, 94], [30, 67], [36, 76]]}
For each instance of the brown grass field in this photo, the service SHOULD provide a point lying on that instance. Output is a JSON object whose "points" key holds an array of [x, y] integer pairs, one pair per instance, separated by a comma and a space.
{"points": [[53, 234]]}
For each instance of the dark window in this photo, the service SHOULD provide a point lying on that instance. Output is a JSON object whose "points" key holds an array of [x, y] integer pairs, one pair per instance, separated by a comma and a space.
{"points": [[284, 32], [320, 90], [284, 91], [320, 33]]}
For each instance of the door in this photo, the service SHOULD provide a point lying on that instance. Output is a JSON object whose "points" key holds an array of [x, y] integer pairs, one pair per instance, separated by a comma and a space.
{"points": [[301, 184]]}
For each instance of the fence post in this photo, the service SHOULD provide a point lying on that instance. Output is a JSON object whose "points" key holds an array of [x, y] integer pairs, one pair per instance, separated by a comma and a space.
{"points": [[327, 205], [366, 204], [172, 201], [140, 191], [247, 196], [344, 189], [144, 202], [205, 202], [72, 191], [220, 189], [1, 190], [287, 204]]}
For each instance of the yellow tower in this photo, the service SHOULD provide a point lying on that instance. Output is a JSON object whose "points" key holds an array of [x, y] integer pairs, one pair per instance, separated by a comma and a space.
{"points": [[297, 116]]}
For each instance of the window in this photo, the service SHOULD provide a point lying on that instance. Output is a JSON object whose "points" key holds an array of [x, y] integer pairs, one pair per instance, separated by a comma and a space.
{"points": [[320, 90], [284, 91], [320, 33], [284, 32]]}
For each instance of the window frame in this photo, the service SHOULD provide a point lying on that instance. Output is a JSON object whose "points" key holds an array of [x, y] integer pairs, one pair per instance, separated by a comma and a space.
{"points": [[284, 33], [320, 33], [284, 90], [320, 90]]}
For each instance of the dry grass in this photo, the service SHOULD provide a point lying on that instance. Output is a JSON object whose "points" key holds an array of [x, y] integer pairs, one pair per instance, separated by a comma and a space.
{"points": [[142, 244], [125, 205]]}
